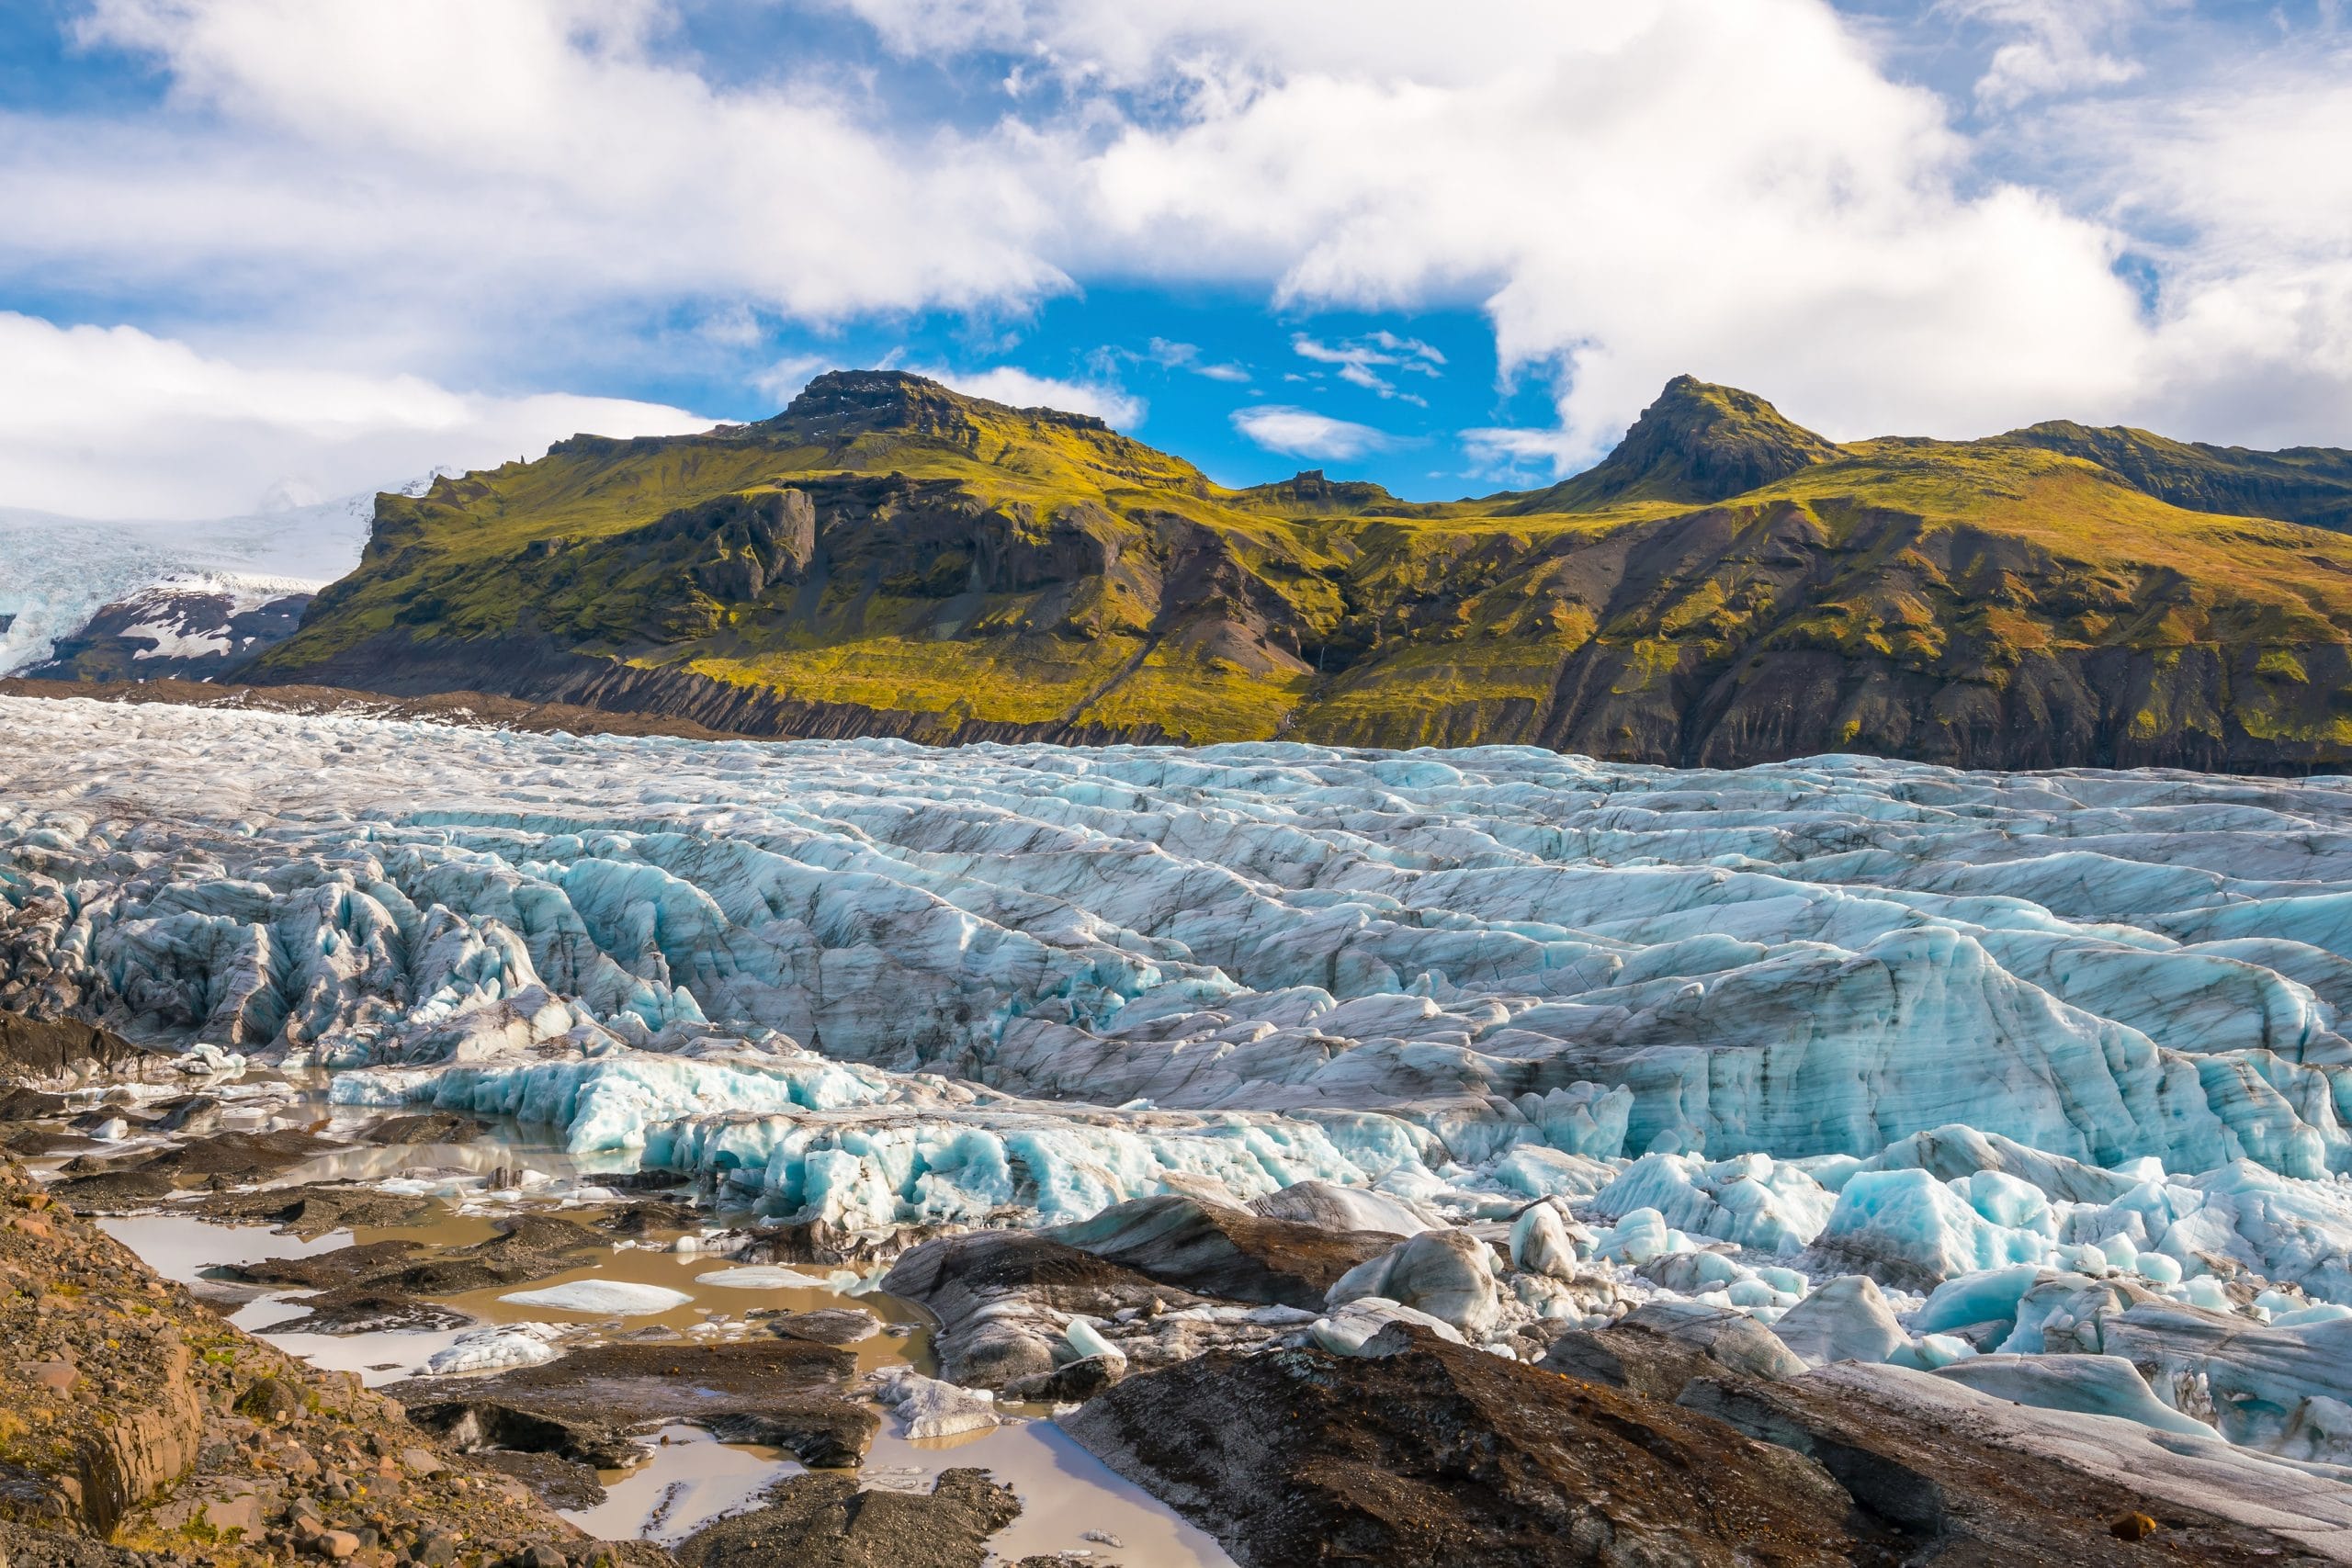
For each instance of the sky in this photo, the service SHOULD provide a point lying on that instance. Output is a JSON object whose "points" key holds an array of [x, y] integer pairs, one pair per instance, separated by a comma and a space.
{"points": [[258, 253]]}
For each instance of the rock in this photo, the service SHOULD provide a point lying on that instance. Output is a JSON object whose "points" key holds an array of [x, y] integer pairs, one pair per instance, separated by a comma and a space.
{"points": [[240, 1514], [1072, 1383], [559, 1482], [428, 1127], [1000, 1297], [1446, 1273], [335, 1544], [825, 1521], [269, 1399], [1656, 1349], [1442, 1455]]}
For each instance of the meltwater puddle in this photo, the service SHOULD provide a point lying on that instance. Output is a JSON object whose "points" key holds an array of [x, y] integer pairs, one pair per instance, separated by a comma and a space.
{"points": [[1071, 1503]]}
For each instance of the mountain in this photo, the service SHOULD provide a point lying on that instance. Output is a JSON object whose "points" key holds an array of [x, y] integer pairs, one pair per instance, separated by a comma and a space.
{"points": [[1696, 443], [889, 556]]}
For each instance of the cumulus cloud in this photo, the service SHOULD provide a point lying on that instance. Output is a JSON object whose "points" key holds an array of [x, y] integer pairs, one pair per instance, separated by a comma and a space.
{"points": [[491, 157], [1005, 384], [114, 423], [1736, 187], [1302, 433]]}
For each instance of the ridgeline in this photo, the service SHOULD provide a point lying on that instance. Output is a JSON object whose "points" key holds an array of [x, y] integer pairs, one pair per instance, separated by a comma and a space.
{"points": [[888, 557]]}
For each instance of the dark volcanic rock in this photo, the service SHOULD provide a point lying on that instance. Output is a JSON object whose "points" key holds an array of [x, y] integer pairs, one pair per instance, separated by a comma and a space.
{"points": [[315, 1208], [183, 631], [788, 1393], [369, 1309], [1439, 1456], [328, 1270], [32, 1048], [1227, 1253], [242, 1157], [113, 1192], [824, 1521]]}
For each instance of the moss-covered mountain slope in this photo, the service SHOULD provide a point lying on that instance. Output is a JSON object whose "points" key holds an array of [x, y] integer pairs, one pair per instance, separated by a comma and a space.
{"points": [[888, 557]]}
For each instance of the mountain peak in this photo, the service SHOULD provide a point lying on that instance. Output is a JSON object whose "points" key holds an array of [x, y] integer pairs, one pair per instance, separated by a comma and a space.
{"points": [[896, 400], [1697, 443]]}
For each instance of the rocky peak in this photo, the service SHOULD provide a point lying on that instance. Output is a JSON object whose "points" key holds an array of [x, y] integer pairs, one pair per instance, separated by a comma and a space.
{"points": [[841, 401], [1698, 442], [1311, 490]]}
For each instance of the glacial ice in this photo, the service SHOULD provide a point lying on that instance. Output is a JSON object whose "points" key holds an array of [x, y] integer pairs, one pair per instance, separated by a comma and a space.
{"points": [[495, 1347], [2058, 1052], [620, 1297]]}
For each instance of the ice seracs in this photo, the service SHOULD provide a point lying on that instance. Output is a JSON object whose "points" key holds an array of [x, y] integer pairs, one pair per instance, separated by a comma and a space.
{"points": [[1907, 1067]]}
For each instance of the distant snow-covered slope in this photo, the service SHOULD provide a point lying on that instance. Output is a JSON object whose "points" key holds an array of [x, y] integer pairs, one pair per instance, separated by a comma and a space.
{"points": [[57, 573]]}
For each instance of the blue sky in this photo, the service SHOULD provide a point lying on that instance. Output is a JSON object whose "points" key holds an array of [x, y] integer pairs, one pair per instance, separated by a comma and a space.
{"points": [[312, 246]]}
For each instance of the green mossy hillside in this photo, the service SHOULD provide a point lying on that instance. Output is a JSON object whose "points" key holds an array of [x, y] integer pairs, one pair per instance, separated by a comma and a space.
{"points": [[890, 557]]}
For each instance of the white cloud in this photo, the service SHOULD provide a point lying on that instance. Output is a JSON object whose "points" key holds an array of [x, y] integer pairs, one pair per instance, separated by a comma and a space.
{"points": [[1735, 187], [529, 154], [1004, 384], [784, 378], [113, 423], [1172, 356], [1302, 433], [2054, 46], [1356, 356], [1506, 453]]}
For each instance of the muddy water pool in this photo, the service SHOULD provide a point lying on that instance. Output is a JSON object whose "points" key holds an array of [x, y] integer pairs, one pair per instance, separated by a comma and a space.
{"points": [[1071, 1502]]}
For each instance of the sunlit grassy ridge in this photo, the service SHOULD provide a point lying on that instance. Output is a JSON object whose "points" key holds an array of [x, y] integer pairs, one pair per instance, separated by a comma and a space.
{"points": [[889, 555]]}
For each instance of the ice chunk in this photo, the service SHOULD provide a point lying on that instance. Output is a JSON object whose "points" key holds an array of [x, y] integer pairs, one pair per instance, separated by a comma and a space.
{"points": [[761, 1277], [495, 1347], [930, 1408], [1846, 1320], [1907, 1227], [1444, 1273], [2094, 1385], [618, 1298], [1541, 1242], [1348, 1329]]}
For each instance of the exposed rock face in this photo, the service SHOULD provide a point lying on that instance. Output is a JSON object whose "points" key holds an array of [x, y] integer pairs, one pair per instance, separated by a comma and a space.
{"points": [[1440, 1456], [38, 1049]]}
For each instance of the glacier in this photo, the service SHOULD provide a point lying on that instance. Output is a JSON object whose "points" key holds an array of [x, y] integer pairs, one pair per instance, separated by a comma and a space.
{"points": [[1910, 1064], [57, 572]]}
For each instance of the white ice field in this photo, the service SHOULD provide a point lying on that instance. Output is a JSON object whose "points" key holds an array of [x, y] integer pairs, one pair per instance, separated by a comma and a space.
{"points": [[2058, 1053]]}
